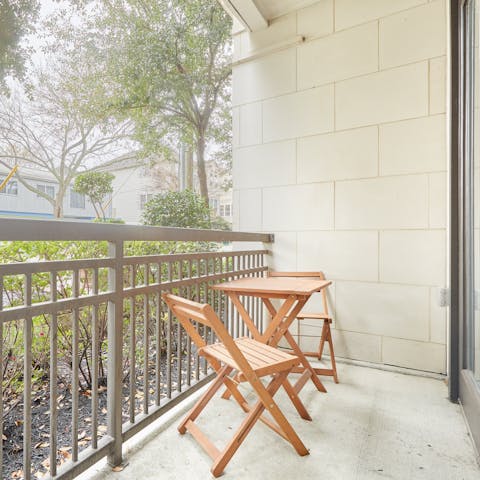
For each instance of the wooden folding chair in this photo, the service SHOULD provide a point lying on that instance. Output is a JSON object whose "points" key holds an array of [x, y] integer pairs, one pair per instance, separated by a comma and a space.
{"points": [[326, 335], [250, 360]]}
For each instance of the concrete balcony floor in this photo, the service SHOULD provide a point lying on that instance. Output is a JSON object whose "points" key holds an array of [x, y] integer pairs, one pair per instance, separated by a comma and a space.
{"points": [[374, 424]]}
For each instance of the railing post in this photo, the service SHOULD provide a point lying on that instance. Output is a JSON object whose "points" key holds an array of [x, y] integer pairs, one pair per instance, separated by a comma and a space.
{"points": [[115, 342]]}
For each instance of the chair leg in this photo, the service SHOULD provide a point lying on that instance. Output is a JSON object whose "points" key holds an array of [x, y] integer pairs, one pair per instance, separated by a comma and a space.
{"points": [[322, 339], [295, 399], [266, 395], [206, 397], [265, 402], [332, 354]]}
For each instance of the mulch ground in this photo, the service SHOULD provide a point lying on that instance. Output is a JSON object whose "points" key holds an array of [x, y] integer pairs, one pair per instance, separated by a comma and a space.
{"points": [[13, 424]]}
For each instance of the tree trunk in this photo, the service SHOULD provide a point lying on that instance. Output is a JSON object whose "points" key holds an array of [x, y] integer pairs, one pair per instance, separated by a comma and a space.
{"points": [[189, 169], [201, 170], [58, 205], [58, 210]]}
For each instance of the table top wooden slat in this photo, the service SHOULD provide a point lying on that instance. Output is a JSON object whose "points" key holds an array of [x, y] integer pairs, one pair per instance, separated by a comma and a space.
{"points": [[273, 285]]}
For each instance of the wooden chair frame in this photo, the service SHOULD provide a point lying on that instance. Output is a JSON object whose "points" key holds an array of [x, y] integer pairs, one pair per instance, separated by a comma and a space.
{"points": [[227, 358], [326, 335]]}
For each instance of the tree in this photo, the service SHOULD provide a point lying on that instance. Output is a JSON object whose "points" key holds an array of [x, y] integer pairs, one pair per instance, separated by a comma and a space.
{"points": [[177, 209], [166, 64], [96, 186], [50, 134], [17, 19]]}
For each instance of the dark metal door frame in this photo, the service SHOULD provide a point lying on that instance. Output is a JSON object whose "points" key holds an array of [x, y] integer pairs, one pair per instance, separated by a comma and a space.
{"points": [[462, 384]]}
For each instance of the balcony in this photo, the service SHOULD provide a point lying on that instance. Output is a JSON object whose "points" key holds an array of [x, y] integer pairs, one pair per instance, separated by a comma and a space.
{"points": [[374, 423], [355, 146]]}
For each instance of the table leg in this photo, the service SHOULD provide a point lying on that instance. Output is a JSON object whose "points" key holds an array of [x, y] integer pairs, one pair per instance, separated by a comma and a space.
{"points": [[308, 368], [282, 331], [245, 316], [280, 318]]}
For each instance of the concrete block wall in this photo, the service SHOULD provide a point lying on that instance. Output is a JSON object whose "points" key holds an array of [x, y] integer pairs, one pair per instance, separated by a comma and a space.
{"points": [[340, 150]]}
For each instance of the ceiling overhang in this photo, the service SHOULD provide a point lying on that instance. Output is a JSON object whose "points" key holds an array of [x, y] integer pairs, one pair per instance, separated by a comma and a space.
{"points": [[246, 12]]}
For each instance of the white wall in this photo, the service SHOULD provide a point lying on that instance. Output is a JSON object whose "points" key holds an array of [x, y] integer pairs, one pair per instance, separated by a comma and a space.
{"points": [[340, 150], [128, 185]]}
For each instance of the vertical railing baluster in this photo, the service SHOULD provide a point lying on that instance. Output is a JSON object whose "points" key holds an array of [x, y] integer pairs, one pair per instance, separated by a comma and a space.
{"points": [[227, 298], [262, 309], [27, 384], [197, 291], [237, 316], [250, 298], [158, 338], [133, 342], [179, 338], [205, 300], [95, 362], [242, 298], [258, 301], [75, 366], [146, 339], [209, 292], [1, 379], [53, 377], [169, 338], [115, 344], [189, 341]]}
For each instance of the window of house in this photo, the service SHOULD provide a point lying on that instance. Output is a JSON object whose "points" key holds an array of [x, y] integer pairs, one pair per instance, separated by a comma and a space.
{"points": [[225, 210], [214, 204], [144, 198], [77, 200], [46, 189], [11, 188]]}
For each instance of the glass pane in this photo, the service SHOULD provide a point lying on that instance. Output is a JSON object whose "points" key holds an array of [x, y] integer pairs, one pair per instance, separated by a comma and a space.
{"points": [[476, 196]]}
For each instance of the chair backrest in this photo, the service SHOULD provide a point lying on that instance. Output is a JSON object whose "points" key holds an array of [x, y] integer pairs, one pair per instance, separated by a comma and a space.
{"points": [[188, 311], [319, 275]]}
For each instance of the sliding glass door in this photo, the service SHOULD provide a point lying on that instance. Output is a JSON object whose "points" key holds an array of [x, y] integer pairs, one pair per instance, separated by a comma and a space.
{"points": [[473, 339], [464, 362]]}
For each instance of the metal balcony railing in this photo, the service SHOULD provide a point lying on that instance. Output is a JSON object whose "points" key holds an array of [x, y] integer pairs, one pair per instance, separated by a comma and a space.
{"points": [[123, 341]]}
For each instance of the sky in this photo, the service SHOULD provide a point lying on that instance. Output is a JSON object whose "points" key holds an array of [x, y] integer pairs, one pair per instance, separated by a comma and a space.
{"points": [[47, 7]]}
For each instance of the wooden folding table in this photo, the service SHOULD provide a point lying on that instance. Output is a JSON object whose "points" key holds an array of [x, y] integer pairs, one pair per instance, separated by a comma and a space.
{"points": [[294, 292]]}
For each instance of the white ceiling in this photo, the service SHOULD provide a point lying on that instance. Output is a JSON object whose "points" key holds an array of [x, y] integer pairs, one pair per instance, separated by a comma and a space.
{"points": [[275, 8], [255, 14]]}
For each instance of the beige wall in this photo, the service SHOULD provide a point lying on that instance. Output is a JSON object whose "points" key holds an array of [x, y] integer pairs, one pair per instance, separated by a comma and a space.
{"points": [[339, 149]]}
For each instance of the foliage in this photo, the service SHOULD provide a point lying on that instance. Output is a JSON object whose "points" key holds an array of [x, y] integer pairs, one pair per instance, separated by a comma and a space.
{"points": [[17, 19], [218, 223], [167, 65], [96, 186], [13, 288], [177, 209], [109, 220]]}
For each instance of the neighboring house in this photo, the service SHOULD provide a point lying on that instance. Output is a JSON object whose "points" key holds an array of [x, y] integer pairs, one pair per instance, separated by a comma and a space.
{"points": [[134, 185], [132, 188], [16, 200], [221, 204]]}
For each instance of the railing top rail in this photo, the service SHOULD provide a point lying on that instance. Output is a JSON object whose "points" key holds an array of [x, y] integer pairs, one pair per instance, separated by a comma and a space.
{"points": [[12, 229]]}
